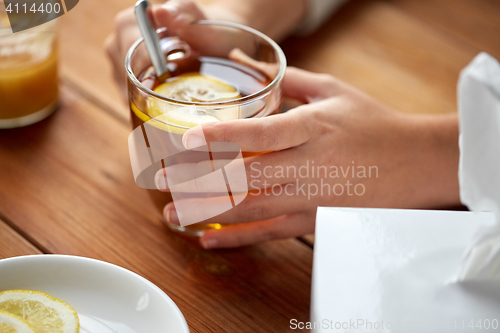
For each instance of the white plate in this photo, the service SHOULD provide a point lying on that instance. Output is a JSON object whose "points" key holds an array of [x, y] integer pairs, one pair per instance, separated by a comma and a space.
{"points": [[107, 298]]}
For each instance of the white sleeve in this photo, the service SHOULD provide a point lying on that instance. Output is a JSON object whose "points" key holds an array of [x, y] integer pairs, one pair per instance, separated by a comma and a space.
{"points": [[318, 11]]}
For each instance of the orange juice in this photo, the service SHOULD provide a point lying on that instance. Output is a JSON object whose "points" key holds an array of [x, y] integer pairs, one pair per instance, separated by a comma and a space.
{"points": [[28, 76]]}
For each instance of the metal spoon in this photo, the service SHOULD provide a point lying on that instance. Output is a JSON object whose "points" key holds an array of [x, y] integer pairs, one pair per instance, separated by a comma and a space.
{"points": [[143, 16]]}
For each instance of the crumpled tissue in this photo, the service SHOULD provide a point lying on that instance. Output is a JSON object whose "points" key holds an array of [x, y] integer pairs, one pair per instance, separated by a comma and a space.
{"points": [[479, 168]]}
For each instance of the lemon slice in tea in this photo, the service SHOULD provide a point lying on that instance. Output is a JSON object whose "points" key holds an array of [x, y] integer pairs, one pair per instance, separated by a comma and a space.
{"points": [[45, 313], [194, 87], [14, 324], [187, 117], [190, 87]]}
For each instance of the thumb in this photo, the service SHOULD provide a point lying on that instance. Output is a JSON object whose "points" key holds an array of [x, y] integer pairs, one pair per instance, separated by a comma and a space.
{"points": [[309, 87]]}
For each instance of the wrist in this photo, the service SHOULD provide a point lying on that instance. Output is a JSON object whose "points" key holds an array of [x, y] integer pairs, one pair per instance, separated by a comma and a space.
{"points": [[215, 11], [436, 159], [277, 19]]}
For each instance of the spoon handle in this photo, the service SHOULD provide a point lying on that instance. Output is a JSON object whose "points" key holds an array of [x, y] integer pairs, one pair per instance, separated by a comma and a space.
{"points": [[143, 16]]}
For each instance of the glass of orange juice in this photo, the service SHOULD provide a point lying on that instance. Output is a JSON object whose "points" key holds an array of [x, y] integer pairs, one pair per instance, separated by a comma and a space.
{"points": [[28, 73], [218, 71]]}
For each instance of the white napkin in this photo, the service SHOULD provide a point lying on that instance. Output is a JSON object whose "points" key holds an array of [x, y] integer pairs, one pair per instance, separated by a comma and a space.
{"points": [[479, 168]]}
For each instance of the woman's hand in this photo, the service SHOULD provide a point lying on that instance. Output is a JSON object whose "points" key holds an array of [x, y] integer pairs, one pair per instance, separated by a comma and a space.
{"points": [[275, 18], [174, 14], [362, 154]]}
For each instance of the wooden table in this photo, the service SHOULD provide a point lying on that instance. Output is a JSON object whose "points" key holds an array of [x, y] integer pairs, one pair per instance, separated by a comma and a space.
{"points": [[66, 185]]}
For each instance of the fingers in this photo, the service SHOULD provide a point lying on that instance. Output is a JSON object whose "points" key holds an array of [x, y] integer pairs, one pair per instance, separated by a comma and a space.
{"points": [[275, 132], [176, 14], [298, 84], [261, 171], [282, 227], [114, 55], [275, 168], [126, 30], [270, 69], [117, 45], [309, 87], [257, 205]]}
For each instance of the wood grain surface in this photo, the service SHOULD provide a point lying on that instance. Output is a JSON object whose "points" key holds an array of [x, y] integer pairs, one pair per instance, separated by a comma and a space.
{"points": [[84, 63], [471, 22], [13, 244], [66, 185], [388, 53]]}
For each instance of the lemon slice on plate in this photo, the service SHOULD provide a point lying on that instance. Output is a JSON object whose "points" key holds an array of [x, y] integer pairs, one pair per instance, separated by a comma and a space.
{"points": [[194, 87], [45, 313], [14, 324]]}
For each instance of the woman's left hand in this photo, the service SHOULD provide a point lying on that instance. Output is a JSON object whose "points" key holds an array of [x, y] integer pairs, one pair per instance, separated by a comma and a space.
{"points": [[363, 154]]}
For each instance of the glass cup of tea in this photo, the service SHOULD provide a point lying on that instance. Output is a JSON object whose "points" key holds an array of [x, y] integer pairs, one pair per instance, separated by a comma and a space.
{"points": [[218, 71], [28, 72]]}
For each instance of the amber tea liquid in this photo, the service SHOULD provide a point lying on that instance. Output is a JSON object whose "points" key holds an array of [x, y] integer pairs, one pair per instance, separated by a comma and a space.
{"points": [[204, 79]]}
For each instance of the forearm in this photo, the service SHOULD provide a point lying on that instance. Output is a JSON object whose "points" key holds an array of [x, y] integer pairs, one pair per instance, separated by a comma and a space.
{"points": [[275, 18]]}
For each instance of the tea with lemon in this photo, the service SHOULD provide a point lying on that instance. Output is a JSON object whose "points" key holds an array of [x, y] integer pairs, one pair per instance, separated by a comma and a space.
{"points": [[203, 80]]}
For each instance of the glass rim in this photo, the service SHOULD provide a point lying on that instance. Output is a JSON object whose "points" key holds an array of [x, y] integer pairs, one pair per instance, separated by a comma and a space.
{"points": [[265, 90]]}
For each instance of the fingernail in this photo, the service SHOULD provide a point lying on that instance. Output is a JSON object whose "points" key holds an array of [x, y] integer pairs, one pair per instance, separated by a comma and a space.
{"points": [[208, 243], [171, 215], [160, 181], [193, 138]]}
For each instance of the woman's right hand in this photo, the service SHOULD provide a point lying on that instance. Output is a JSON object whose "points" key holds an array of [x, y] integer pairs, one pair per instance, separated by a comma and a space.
{"points": [[276, 18], [174, 14]]}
